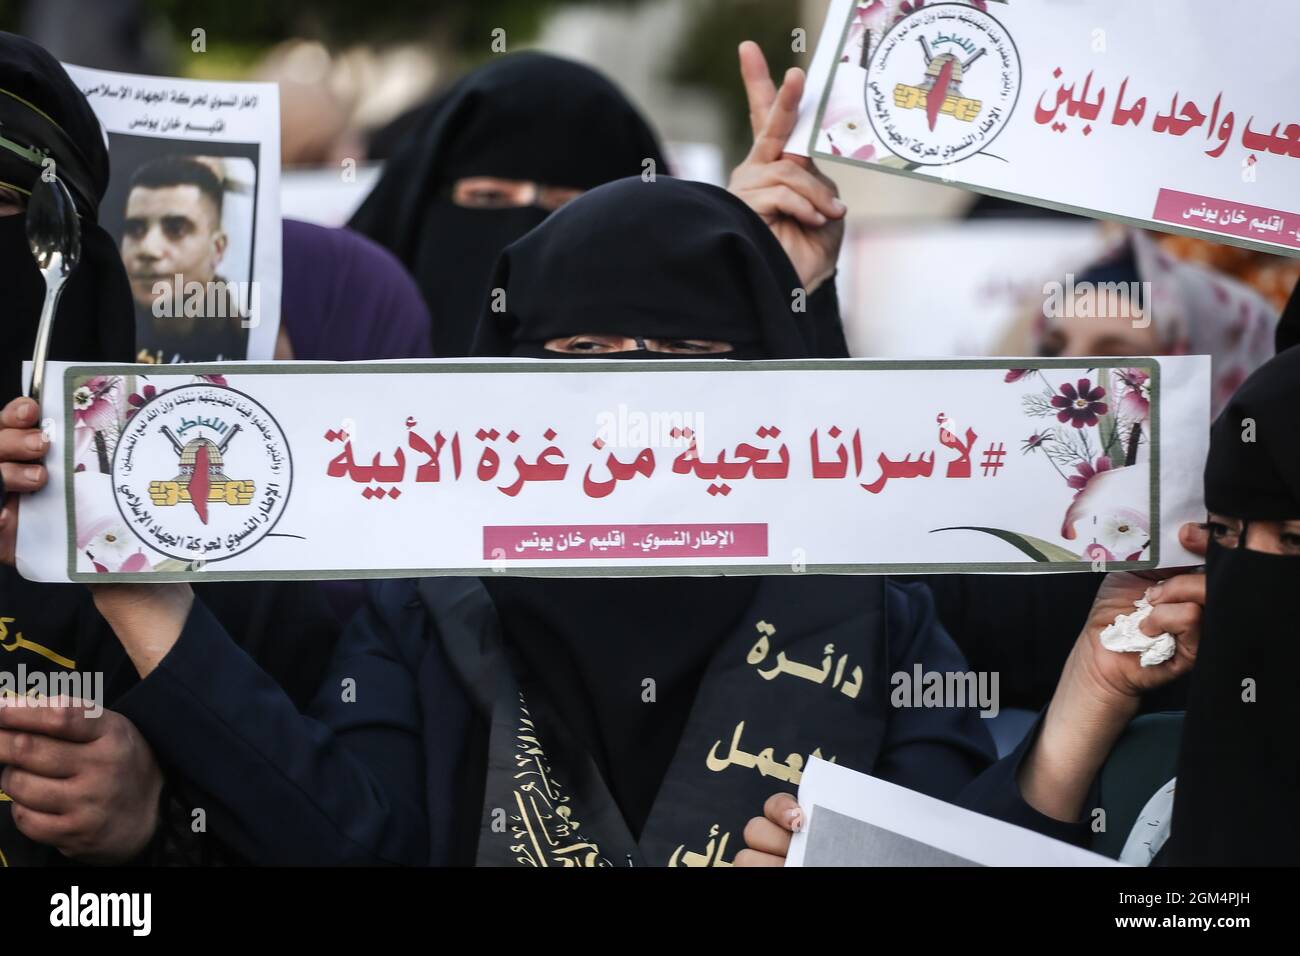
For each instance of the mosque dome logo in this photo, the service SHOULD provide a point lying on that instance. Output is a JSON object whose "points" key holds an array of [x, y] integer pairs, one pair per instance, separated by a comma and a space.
{"points": [[942, 84], [203, 474]]}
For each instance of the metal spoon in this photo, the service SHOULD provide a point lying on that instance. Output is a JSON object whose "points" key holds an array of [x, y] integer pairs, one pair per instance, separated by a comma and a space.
{"points": [[54, 235]]}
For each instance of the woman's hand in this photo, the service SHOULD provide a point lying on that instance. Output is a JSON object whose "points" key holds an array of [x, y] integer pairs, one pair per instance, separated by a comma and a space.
{"points": [[800, 205], [1099, 690], [1177, 604], [82, 781], [22, 446], [768, 837], [147, 618]]}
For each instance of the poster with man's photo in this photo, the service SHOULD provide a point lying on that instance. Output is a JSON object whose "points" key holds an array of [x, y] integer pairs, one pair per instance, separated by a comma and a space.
{"points": [[194, 205]]}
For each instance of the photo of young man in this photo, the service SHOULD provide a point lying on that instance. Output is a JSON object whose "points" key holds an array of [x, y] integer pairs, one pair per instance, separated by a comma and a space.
{"points": [[173, 246]]}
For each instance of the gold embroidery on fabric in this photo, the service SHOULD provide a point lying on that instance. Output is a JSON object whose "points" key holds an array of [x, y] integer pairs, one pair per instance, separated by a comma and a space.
{"points": [[758, 653], [18, 642], [789, 770], [710, 857], [544, 829]]}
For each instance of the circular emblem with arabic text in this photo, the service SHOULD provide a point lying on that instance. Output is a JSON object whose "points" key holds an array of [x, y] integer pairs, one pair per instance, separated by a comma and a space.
{"points": [[202, 472], [942, 84]]}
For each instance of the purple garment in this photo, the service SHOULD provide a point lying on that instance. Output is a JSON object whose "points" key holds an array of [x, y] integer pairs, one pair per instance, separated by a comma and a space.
{"points": [[348, 299]]}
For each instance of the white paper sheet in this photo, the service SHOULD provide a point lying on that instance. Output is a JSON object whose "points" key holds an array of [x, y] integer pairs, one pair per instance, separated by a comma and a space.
{"points": [[852, 819]]}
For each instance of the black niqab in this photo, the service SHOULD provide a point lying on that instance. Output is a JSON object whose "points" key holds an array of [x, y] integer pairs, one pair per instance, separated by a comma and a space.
{"points": [[1237, 800], [525, 116], [668, 259]]}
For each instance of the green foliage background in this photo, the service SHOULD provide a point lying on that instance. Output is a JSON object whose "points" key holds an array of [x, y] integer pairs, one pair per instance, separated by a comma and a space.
{"points": [[238, 31]]}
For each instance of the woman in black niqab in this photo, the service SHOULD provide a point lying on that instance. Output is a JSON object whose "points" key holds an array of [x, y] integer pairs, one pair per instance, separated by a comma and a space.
{"points": [[44, 115], [1237, 797], [593, 642], [661, 269], [525, 117], [285, 627]]}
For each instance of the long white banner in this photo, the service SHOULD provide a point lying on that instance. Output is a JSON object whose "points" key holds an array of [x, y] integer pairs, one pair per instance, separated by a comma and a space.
{"points": [[305, 470], [1180, 115]]}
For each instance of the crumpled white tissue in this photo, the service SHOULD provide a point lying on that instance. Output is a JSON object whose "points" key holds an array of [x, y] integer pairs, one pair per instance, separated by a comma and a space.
{"points": [[1124, 636]]}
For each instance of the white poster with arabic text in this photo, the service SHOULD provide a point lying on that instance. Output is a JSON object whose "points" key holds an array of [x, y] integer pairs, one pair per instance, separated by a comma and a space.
{"points": [[1181, 115], [603, 468]]}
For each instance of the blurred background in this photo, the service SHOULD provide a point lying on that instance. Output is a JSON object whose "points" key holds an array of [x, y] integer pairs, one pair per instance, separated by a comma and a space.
{"points": [[349, 72]]}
